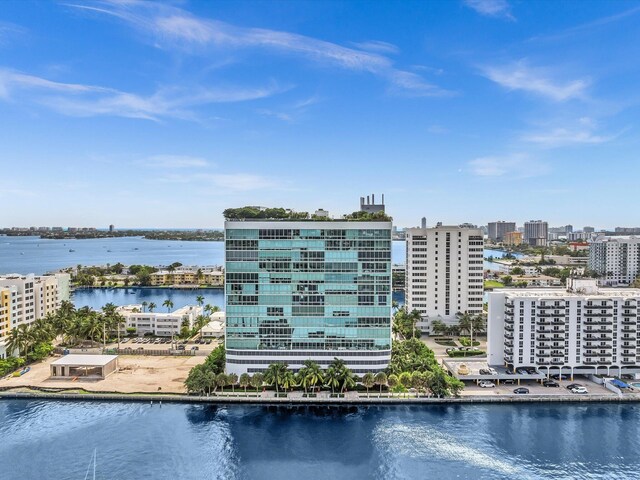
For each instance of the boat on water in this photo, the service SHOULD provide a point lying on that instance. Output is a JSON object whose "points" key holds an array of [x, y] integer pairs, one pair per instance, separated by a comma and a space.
{"points": [[92, 463], [71, 250]]}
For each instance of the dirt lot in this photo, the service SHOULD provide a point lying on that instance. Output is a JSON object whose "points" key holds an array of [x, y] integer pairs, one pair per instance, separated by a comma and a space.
{"points": [[135, 374]]}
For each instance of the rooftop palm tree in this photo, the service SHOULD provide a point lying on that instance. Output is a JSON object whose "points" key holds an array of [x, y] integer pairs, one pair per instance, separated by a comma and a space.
{"points": [[152, 306], [144, 305]]}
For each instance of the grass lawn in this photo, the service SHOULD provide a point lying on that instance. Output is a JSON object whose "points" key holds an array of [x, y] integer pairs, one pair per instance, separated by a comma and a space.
{"points": [[493, 284]]}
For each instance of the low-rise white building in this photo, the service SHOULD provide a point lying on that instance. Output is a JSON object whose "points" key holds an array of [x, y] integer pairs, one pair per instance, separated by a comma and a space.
{"points": [[578, 330], [161, 324]]}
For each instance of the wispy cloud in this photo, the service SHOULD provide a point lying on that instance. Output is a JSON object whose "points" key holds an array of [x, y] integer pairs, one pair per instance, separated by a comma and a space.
{"points": [[174, 161], [377, 46], [172, 27], [491, 8], [539, 81], [292, 112], [223, 182], [90, 100], [9, 31], [517, 165], [582, 133]]}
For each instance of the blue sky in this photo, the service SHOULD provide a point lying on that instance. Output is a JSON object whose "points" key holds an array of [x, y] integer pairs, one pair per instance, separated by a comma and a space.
{"points": [[162, 115]]}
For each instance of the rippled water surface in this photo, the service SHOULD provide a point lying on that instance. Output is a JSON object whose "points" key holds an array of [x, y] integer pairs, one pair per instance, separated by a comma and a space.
{"points": [[133, 440]]}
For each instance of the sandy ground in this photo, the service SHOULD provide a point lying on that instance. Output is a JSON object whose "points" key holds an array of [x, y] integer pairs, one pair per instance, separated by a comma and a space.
{"points": [[135, 374]]}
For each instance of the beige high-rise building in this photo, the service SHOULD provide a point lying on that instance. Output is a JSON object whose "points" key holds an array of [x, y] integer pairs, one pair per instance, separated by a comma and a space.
{"points": [[444, 272]]}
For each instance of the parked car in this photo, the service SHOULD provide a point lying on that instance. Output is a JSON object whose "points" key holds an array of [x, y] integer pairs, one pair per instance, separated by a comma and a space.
{"points": [[509, 381], [208, 341], [580, 390], [521, 391], [486, 384], [521, 371], [559, 377], [550, 383], [180, 347], [531, 370], [124, 340], [493, 371], [195, 348], [573, 385], [485, 371], [157, 340]]}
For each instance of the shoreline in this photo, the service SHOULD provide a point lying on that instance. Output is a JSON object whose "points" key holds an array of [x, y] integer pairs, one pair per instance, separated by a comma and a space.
{"points": [[300, 401], [163, 287]]}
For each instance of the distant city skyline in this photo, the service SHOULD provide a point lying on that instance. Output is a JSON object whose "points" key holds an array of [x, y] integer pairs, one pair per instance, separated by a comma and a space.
{"points": [[148, 115]]}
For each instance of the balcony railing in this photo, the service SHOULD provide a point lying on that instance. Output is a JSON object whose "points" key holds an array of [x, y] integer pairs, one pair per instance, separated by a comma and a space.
{"points": [[547, 330], [598, 346], [552, 314], [598, 322], [597, 354], [508, 328], [600, 337]]}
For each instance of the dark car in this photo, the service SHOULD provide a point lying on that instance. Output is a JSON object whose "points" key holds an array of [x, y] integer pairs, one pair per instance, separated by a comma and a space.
{"points": [[521, 371], [521, 391], [559, 377], [574, 385], [484, 371], [509, 381], [180, 347], [531, 370], [549, 383]]}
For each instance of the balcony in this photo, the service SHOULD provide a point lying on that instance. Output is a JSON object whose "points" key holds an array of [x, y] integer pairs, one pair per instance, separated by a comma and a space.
{"points": [[598, 314], [629, 306], [629, 339], [628, 329], [508, 335], [555, 307], [598, 322], [597, 354], [508, 343], [544, 315], [547, 330], [508, 351], [598, 307], [630, 321], [508, 328], [557, 362], [597, 346], [542, 362], [556, 338], [628, 361], [600, 337], [508, 320], [544, 347], [543, 354], [557, 353], [599, 331]]}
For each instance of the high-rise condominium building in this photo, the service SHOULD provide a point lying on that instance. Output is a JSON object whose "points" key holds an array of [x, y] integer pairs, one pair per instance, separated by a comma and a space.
{"points": [[498, 230], [444, 272], [615, 259], [513, 238], [298, 290], [578, 330], [536, 233], [26, 298]]}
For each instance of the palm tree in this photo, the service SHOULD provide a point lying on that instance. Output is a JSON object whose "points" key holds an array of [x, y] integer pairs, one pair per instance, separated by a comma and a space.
{"points": [[168, 303], [257, 380], [368, 380], [232, 379], [274, 375], [152, 306], [19, 339], [288, 380], [392, 381], [311, 375], [348, 380], [332, 378], [464, 321], [200, 300], [405, 380], [221, 381], [144, 306], [245, 381], [381, 379]]}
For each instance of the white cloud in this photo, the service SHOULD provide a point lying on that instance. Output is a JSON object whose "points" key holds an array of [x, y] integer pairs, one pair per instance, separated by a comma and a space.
{"points": [[582, 133], [174, 161], [377, 46], [491, 8], [173, 27], [90, 100], [520, 76], [513, 166]]}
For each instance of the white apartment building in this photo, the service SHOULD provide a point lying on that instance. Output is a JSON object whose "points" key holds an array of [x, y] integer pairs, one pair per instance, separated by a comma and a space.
{"points": [[444, 272], [582, 329], [161, 324], [615, 259], [26, 298]]}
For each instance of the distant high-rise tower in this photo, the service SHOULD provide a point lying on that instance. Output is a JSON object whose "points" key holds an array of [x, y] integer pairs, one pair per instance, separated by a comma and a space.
{"points": [[112, 227], [423, 223], [370, 205], [536, 233], [498, 230]]}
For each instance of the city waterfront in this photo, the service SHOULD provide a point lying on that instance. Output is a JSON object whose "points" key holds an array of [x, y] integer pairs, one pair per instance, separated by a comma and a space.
{"points": [[136, 440], [97, 297]]}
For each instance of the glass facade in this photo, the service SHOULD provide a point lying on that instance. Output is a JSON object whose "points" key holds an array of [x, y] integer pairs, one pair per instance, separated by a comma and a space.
{"points": [[308, 286]]}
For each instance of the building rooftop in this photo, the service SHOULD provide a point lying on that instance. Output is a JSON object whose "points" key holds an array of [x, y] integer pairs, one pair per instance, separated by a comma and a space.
{"points": [[85, 360]]}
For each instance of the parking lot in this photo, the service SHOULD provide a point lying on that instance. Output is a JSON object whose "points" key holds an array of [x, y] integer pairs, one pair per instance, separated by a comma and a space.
{"points": [[150, 343], [536, 388]]}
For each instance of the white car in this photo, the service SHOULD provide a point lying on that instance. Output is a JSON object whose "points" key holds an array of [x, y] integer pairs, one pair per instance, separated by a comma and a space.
{"points": [[579, 390], [486, 384], [493, 371]]}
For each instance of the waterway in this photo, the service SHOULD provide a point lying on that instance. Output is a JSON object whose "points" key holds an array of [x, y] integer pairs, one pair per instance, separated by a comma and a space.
{"points": [[56, 439], [35, 255]]}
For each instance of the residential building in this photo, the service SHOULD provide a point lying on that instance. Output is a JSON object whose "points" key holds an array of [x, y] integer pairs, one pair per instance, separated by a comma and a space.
{"points": [[588, 229], [582, 329], [536, 233], [213, 276], [498, 230], [26, 298], [615, 259], [513, 239], [627, 230], [160, 324], [299, 290], [444, 272]]}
